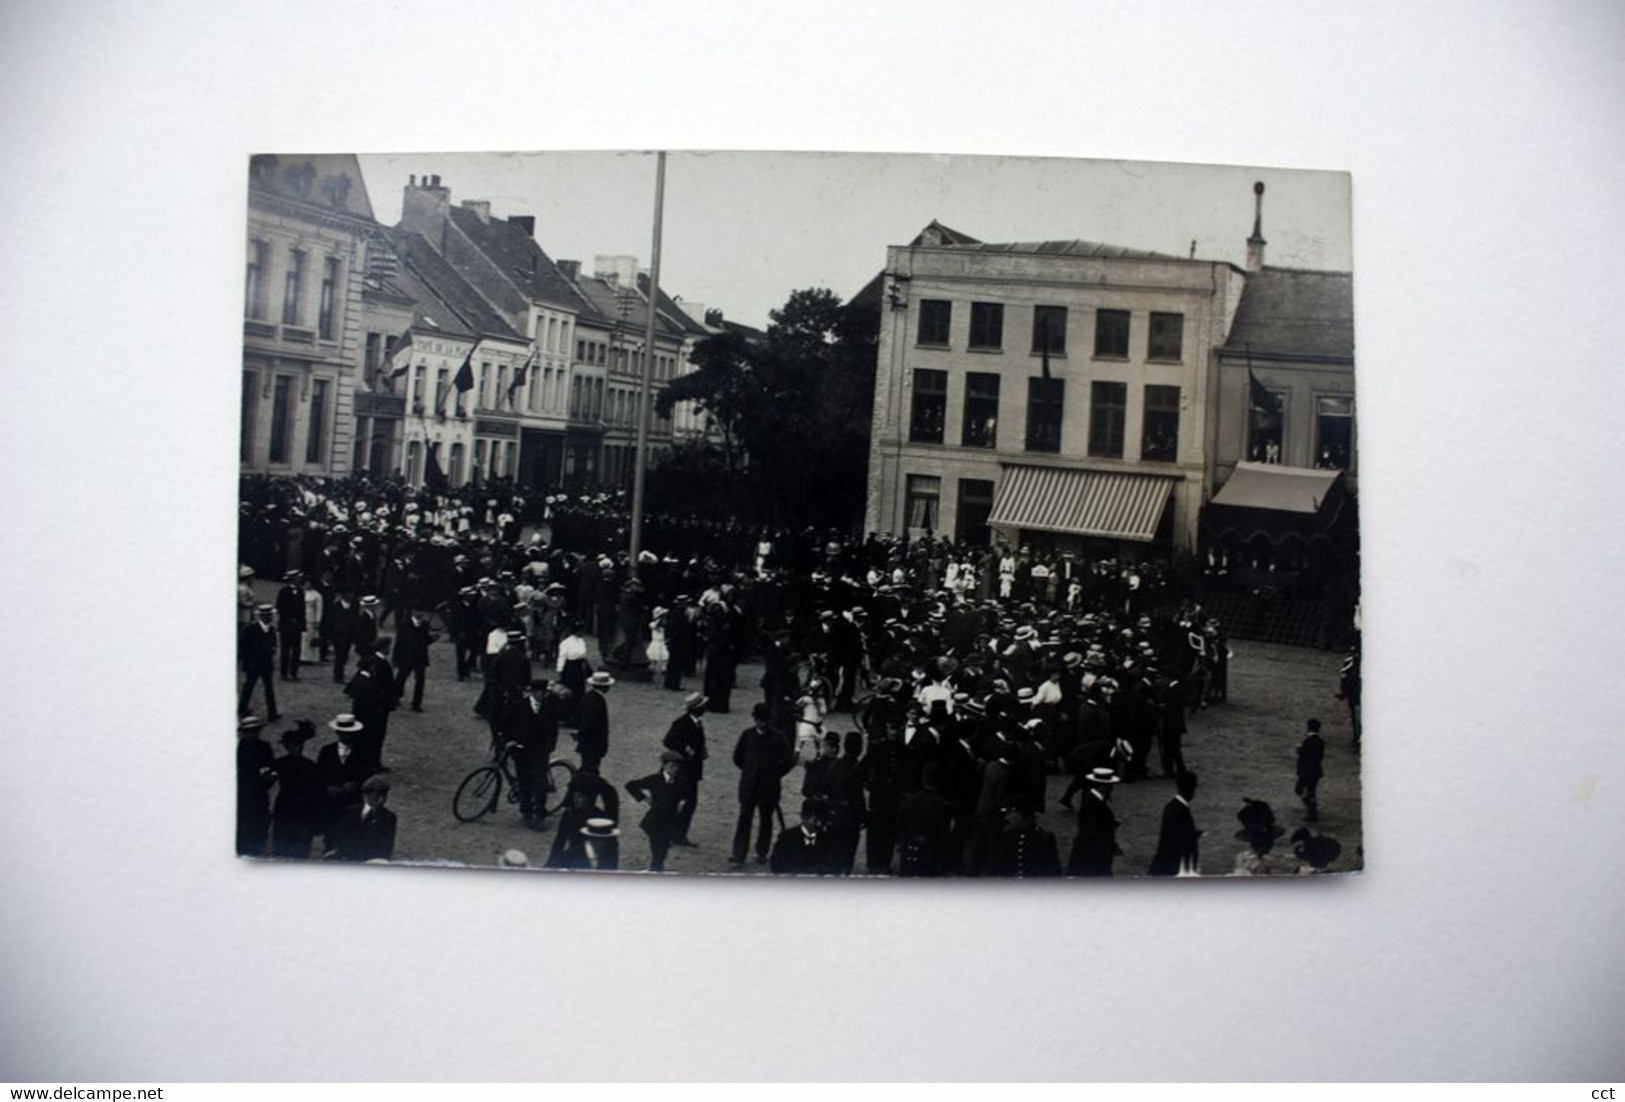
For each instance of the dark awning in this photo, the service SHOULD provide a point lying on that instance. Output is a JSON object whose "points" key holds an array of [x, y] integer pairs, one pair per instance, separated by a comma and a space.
{"points": [[1269, 500], [1116, 505]]}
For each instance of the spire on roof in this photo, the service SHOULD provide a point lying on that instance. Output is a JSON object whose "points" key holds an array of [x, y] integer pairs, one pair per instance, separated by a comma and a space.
{"points": [[1256, 243]]}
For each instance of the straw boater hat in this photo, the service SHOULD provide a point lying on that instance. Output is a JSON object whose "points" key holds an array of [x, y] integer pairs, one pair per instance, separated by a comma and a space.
{"points": [[600, 828], [249, 723], [600, 680], [1102, 774], [345, 724], [245, 571], [694, 701], [1024, 633], [513, 859]]}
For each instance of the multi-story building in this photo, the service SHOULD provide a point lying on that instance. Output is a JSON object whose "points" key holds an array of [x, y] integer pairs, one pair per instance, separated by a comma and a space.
{"points": [[1051, 394], [524, 427], [309, 228]]}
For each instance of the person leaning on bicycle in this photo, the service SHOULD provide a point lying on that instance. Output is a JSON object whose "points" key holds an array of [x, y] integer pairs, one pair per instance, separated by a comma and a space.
{"points": [[531, 725]]}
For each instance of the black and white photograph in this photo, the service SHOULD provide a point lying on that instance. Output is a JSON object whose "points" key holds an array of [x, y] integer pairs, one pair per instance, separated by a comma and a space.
{"points": [[798, 514]]}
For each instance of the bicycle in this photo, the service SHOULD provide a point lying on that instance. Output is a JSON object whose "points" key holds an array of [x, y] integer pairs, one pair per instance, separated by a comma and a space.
{"points": [[480, 791]]}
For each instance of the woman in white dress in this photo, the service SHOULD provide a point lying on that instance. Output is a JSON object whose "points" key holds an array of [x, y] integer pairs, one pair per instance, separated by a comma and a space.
{"points": [[309, 651], [657, 652]]}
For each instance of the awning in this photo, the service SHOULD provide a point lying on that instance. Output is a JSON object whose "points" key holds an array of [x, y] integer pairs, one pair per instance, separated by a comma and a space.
{"points": [[1086, 503], [1272, 486], [1275, 502]]}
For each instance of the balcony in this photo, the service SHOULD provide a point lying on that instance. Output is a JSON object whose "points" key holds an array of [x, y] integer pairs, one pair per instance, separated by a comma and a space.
{"points": [[252, 328]]}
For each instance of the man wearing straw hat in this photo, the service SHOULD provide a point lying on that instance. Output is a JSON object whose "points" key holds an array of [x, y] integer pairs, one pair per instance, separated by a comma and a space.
{"points": [[1095, 847], [592, 721], [686, 737]]}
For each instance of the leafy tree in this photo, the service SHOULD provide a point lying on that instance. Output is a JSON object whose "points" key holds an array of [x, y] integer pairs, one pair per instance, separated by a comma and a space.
{"points": [[793, 410]]}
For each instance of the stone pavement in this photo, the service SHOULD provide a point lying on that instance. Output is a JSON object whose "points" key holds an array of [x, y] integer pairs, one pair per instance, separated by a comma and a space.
{"points": [[1243, 748]]}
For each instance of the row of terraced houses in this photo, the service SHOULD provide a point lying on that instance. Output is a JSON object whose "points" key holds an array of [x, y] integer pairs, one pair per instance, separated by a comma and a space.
{"points": [[355, 334]]}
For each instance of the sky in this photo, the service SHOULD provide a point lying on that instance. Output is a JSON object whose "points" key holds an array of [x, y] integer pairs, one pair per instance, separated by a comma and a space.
{"points": [[744, 229]]}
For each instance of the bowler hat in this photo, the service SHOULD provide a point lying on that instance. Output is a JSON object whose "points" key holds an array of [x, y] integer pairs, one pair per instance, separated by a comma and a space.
{"points": [[670, 755]]}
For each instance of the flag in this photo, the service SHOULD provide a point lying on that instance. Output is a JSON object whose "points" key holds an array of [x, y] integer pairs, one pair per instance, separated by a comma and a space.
{"points": [[520, 376], [434, 479], [1043, 345], [1262, 400], [400, 358], [464, 380]]}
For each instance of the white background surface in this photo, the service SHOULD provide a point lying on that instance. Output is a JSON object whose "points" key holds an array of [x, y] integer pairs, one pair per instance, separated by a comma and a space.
{"points": [[1485, 144]]}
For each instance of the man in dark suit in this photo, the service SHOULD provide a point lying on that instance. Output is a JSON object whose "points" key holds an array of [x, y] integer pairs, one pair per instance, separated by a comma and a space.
{"points": [[1311, 767], [366, 624], [763, 756], [665, 793], [923, 828], [372, 691], [339, 630], [686, 737], [411, 656], [532, 724], [1095, 847], [366, 831], [1024, 849], [256, 772], [803, 850], [1178, 839], [256, 650], [290, 620], [592, 721]]}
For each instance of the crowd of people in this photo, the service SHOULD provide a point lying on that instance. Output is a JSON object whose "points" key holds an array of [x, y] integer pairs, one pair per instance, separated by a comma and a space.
{"points": [[971, 676]]}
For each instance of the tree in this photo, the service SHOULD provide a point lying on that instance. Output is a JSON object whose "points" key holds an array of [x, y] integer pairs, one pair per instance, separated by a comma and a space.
{"points": [[794, 410]]}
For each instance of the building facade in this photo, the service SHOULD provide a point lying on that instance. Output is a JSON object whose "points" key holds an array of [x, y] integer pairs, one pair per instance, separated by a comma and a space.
{"points": [[1054, 395], [310, 228]]}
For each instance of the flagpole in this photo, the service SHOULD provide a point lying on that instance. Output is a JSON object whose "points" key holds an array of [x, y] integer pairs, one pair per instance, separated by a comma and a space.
{"points": [[644, 405]]}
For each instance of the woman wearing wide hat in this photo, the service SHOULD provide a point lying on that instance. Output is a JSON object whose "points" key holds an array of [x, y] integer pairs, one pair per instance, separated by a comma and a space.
{"points": [[1260, 831]]}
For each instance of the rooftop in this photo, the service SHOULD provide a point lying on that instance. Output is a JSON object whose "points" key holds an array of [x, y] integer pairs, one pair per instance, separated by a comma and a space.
{"points": [[518, 257], [462, 304], [1295, 312]]}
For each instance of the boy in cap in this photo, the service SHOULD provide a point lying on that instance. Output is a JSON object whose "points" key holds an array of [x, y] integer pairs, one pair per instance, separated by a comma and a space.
{"points": [[686, 736], [665, 793], [366, 831]]}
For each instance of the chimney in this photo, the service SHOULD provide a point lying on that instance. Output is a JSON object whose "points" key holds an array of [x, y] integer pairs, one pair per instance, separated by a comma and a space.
{"points": [[424, 205], [526, 222], [480, 207], [619, 270], [1256, 243], [713, 318], [570, 268]]}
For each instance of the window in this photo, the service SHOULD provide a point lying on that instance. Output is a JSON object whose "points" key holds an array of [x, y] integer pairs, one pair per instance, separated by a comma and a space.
{"points": [[1167, 339], [420, 400], [981, 428], [479, 458], [1334, 431], [1111, 334], [358, 451], [924, 494], [440, 391], [372, 360], [1044, 400], [575, 396], [250, 408], [293, 290], [581, 350], [987, 326], [316, 439], [501, 396], [1266, 426], [975, 506], [1160, 441], [1049, 329], [455, 473], [281, 415], [414, 463], [930, 406], [330, 282], [1108, 404], [935, 315], [254, 293]]}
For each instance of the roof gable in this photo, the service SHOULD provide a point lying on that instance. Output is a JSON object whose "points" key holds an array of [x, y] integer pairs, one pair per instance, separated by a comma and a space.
{"points": [[1294, 312], [518, 258], [432, 273]]}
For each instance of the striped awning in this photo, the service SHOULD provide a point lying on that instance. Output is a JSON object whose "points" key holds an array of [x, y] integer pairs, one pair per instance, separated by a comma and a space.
{"points": [[1086, 503]]}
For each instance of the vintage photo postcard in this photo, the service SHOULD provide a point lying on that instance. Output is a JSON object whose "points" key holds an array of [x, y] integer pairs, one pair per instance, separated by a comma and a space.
{"points": [[777, 514]]}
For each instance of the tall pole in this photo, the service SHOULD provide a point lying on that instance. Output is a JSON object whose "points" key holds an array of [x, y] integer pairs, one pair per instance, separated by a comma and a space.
{"points": [[644, 404]]}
